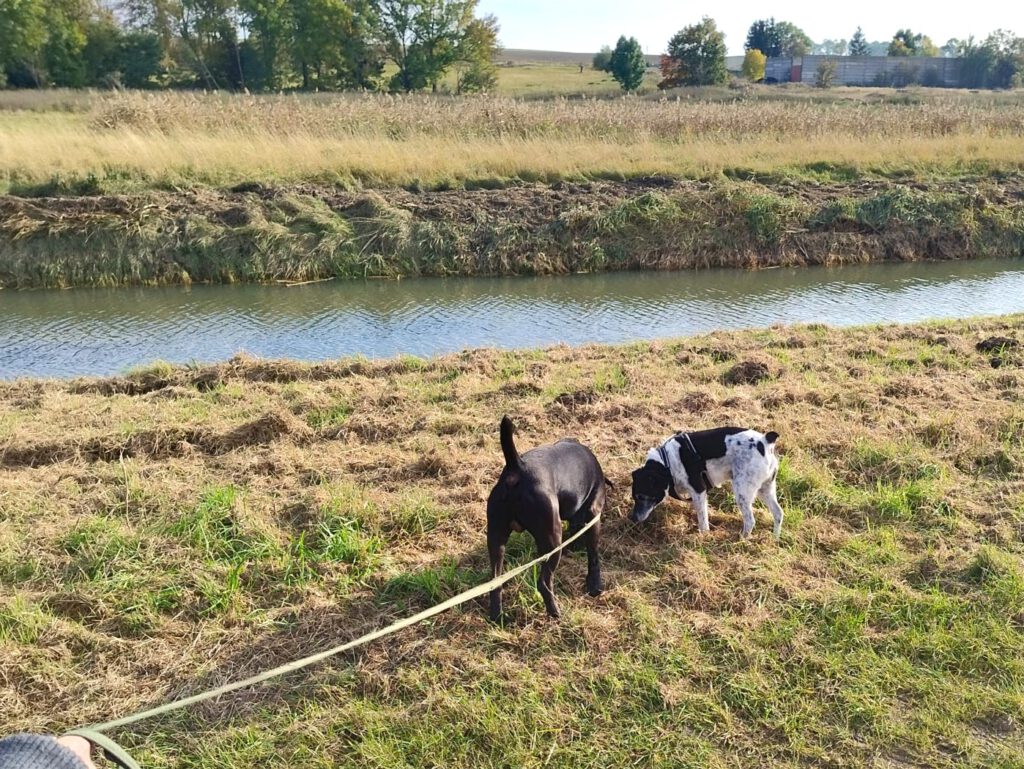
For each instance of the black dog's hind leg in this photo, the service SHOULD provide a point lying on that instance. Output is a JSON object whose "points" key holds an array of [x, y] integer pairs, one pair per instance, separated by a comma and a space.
{"points": [[576, 523], [595, 584], [548, 536], [496, 540]]}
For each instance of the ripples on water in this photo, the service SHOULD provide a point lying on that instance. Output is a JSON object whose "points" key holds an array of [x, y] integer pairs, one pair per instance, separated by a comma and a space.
{"points": [[63, 333]]}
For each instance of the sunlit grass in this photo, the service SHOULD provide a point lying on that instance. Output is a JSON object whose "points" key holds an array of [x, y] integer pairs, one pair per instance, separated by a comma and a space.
{"points": [[885, 628], [379, 141]]}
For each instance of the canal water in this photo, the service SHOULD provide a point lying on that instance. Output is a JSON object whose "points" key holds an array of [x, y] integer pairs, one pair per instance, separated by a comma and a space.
{"points": [[106, 331]]}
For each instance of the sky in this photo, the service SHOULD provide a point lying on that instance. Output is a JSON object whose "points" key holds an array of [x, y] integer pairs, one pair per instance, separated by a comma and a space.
{"points": [[586, 25]]}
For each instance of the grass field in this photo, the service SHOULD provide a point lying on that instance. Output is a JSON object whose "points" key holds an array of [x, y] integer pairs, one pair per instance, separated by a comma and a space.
{"points": [[179, 528], [119, 143]]}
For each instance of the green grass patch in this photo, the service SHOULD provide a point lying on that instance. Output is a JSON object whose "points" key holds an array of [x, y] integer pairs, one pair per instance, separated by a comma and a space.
{"points": [[215, 527]]}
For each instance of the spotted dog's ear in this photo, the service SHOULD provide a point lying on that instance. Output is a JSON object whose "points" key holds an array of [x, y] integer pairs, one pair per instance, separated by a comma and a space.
{"points": [[771, 437]]}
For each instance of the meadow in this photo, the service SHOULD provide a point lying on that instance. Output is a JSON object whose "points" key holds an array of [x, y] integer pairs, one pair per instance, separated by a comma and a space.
{"points": [[121, 142], [177, 528]]}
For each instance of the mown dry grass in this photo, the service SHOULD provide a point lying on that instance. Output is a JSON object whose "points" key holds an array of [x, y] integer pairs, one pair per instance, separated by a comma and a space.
{"points": [[179, 528], [130, 140]]}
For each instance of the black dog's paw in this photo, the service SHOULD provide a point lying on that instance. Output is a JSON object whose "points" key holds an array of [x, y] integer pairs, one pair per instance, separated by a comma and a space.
{"points": [[553, 611], [594, 588]]}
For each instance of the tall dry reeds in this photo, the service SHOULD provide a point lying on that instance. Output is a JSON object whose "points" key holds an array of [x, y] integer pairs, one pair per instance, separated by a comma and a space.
{"points": [[158, 139]]}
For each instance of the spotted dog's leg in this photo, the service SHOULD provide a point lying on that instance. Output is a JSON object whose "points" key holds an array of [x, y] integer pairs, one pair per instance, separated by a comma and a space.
{"points": [[700, 505], [745, 504], [767, 494], [746, 482]]}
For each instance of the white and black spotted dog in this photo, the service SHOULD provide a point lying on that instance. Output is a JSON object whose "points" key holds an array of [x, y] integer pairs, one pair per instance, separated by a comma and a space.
{"points": [[688, 463]]}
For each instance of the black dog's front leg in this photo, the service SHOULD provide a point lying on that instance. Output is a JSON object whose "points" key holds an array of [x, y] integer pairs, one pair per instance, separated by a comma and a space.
{"points": [[496, 548]]}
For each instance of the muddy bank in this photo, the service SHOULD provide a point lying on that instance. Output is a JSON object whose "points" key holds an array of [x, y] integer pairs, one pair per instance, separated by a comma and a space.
{"points": [[258, 233]]}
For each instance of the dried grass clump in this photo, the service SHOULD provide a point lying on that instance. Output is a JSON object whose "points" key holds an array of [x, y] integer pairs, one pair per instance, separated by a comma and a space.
{"points": [[749, 372]]}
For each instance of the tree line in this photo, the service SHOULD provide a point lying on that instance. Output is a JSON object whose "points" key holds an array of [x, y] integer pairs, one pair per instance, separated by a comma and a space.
{"points": [[695, 55], [254, 45]]}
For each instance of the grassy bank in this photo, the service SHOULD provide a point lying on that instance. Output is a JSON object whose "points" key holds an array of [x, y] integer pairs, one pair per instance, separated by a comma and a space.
{"points": [[179, 528], [309, 232]]}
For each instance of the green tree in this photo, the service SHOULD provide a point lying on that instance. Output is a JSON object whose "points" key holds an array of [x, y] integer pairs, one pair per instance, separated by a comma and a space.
{"points": [[753, 65], [68, 43], [475, 70], [140, 56], [22, 35], [422, 38], [831, 47], [764, 36], [101, 55], [926, 47], [696, 56], [793, 40], [778, 38], [906, 43], [998, 62], [825, 77], [65, 41], [269, 23], [859, 44], [602, 59], [198, 38], [332, 43], [628, 64]]}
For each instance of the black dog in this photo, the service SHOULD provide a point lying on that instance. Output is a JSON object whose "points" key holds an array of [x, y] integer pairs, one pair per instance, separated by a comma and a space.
{"points": [[536, 492]]}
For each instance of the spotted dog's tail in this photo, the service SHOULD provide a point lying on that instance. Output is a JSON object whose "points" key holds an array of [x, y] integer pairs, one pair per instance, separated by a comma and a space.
{"points": [[508, 446]]}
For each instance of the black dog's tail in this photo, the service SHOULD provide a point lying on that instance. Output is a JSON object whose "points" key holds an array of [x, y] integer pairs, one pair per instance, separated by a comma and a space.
{"points": [[508, 447]]}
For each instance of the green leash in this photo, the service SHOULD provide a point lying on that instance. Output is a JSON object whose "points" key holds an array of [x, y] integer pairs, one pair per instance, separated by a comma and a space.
{"points": [[111, 749]]}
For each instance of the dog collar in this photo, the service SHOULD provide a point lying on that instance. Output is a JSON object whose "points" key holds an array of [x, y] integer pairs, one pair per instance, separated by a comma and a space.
{"points": [[671, 476]]}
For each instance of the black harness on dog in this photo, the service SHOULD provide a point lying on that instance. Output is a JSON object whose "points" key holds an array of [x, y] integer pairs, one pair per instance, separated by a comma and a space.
{"points": [[694, 464], [671, 478]]}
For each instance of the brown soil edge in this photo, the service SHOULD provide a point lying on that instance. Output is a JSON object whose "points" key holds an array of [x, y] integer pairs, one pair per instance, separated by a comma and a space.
{"points": [[257, 233]]}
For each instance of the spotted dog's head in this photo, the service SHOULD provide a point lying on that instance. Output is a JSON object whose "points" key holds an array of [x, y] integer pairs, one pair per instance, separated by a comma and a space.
{"points": [[651, 484]]}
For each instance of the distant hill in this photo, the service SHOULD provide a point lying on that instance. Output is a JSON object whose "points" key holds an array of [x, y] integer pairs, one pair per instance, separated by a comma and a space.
{"points": [[526, 56]]}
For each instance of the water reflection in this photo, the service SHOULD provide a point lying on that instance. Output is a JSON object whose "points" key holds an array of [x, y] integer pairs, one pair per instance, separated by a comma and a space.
{"points": [[62, 333]]}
